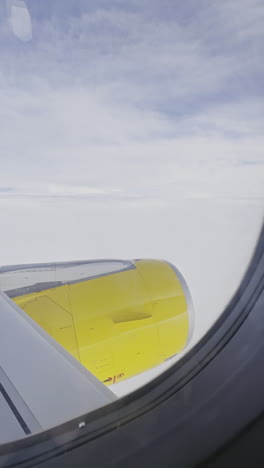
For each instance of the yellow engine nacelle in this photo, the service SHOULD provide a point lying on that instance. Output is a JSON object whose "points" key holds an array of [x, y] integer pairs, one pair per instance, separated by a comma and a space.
{"points": [[116, 323]]}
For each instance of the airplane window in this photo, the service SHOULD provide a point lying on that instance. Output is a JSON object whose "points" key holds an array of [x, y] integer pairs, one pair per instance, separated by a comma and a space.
{"points": [[131, 192]]}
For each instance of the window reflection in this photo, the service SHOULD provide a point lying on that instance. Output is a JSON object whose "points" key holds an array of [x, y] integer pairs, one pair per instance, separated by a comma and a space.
{"points": [[19, 19]]}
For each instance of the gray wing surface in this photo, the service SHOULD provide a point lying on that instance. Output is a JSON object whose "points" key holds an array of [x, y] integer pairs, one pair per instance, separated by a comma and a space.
{"points": [[41, 384]]}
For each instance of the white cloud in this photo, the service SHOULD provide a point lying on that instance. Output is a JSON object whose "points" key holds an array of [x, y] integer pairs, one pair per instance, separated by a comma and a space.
{"points": [[132, 94], [132, 103]]}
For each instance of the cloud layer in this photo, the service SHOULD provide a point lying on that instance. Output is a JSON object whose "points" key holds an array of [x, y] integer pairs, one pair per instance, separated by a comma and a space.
{"points": [[153, 100], [135, 129]]}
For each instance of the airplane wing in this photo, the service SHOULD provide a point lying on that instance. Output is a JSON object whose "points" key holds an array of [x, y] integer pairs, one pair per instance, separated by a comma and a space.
{"points": [[41, 384]]}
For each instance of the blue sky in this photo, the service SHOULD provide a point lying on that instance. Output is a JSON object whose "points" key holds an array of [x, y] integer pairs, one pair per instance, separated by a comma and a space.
{"points": [[133, 100]]}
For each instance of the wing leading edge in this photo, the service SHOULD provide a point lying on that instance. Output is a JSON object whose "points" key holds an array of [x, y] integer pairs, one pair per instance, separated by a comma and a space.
{"points": [[41, 384]]}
